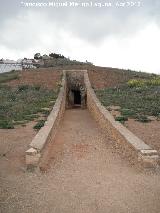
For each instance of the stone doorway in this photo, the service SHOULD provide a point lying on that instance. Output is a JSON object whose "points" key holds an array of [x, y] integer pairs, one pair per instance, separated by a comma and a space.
{"points": [[77, 97], [76, 91]]}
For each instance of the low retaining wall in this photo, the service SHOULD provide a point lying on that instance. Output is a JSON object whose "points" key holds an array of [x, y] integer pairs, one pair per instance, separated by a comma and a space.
{"points": [[47, 133], [130, 145]]}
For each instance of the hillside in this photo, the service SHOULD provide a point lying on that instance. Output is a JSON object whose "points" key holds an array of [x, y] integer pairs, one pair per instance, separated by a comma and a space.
{"points": [[133, 98], [82, 169]]}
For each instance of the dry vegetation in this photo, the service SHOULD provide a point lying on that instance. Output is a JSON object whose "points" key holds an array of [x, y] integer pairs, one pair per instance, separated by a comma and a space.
{"points": [[136, 93], [26, 96], [133, 98]]}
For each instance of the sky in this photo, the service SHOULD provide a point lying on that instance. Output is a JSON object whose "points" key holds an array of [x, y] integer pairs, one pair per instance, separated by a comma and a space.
{"points": [[110, 33]]}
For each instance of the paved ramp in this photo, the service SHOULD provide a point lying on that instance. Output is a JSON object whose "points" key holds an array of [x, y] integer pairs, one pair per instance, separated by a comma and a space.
{"points": [[80, 140], [88, 176]]}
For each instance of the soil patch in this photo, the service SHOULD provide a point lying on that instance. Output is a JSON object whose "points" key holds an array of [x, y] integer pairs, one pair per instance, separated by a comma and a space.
{"points": [[13, 144], [97, 181], [45, 77], [148, 132]]}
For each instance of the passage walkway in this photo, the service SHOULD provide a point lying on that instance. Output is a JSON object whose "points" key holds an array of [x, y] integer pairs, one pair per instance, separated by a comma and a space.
{"points": [[90, 177], [83, 175]]}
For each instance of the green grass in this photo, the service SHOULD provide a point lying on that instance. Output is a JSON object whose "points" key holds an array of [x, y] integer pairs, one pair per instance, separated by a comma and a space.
{"points": [[24, 104], [5, 77], [136, 101]]}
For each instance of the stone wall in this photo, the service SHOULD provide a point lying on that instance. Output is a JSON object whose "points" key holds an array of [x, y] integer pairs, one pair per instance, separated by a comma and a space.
{"points": [[47, 133], [75, 81], [129, 145]]}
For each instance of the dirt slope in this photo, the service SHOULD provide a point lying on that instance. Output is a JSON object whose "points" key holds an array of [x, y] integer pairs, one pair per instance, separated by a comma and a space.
{"points": [[46, 77]]}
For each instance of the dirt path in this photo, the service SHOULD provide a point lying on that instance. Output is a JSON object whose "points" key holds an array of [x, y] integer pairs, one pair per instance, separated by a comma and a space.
{"points": [[13, 144], [148, 132], [85, 175]]}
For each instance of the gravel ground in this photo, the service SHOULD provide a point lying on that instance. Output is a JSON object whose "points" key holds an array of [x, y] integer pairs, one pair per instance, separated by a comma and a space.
{"points": [[82, 174], [13, 144], [148, 132]]}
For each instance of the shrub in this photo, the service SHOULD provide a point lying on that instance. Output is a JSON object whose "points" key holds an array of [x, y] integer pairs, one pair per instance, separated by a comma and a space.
{"points": [[121, 119], [5, 124], [23, 87], [128, 112], [143, 118], [37, 87], [39, 125], [136, 83], [154, 81], [141, 83]]}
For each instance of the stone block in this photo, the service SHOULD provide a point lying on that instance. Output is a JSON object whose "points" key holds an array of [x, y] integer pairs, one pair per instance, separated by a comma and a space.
{"points": [[32, 157], [31, 152], [148, 158]]}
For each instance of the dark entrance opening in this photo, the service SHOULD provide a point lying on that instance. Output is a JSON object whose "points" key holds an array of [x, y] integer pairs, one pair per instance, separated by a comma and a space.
{"points": [[77, 97]]}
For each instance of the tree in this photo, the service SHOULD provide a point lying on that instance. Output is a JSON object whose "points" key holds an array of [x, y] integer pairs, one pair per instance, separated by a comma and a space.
{"points": [[55, 55], [37, 56]]}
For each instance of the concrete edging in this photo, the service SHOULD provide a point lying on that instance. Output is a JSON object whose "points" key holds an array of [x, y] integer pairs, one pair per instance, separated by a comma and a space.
{"points": [[49, 130], [131, 146]]}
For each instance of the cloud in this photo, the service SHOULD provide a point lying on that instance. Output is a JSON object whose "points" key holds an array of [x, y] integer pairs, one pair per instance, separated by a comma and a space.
{"points": [[91, 24], [138, 53], [82, 33]]}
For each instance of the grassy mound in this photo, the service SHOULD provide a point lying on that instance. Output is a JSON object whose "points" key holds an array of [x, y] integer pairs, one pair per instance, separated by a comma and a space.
{"points": [[24, 103], [137, 98]]}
